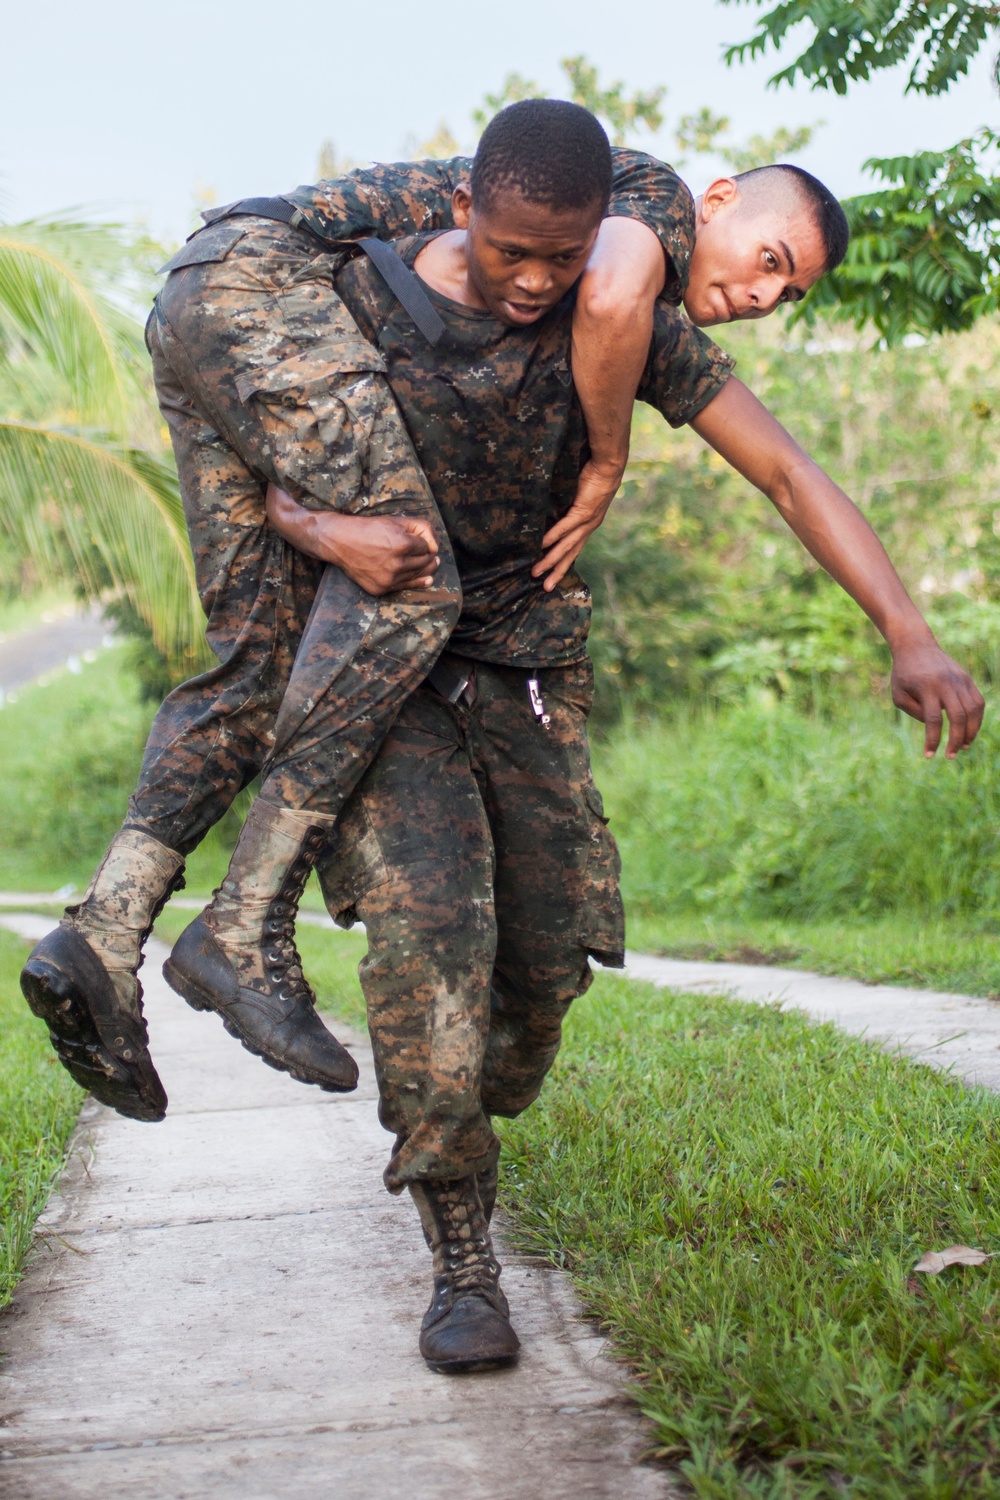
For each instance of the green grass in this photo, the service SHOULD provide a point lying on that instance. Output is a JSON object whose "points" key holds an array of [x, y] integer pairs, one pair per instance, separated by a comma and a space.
{"points": [[896, 948], [70, 751], [39, 1103], [772, 813], [741, 1198], [827, 844]]}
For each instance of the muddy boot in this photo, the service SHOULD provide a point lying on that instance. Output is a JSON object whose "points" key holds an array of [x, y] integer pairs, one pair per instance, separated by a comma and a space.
{"points": [[467, 1326], [81, 979], [239, 957], [487, 1182]]}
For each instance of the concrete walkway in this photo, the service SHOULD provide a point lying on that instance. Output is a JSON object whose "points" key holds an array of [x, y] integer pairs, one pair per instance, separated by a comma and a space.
{"points": [[226, 1305], [957, 1033]]}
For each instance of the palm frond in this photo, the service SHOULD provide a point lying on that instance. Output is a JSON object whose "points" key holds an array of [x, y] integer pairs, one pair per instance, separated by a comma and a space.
{"points": [[103, 516], [61, 302]]}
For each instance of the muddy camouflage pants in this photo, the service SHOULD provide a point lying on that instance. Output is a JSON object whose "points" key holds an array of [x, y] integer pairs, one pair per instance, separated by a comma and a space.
{"points": [[476, 853], [261, 374]]}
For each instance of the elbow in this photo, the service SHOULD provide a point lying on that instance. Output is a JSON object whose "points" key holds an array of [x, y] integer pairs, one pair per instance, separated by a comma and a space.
{"points": [[604, 299], [788, 483]]}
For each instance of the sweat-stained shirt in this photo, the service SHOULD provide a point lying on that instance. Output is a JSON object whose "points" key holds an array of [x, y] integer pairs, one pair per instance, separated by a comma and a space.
{"points": [[491, 409]]}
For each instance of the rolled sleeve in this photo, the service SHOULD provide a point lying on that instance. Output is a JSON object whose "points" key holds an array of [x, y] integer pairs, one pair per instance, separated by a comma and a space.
{"points": [[646, 189], [387, 200], [686, 370]]}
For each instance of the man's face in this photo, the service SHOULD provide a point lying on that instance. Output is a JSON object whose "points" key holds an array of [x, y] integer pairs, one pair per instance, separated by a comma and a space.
{"points": [[751, 254], [523, 257]]}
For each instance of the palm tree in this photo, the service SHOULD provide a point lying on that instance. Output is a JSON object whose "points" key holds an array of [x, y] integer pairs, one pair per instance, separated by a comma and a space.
{"points": [[88, 492]]}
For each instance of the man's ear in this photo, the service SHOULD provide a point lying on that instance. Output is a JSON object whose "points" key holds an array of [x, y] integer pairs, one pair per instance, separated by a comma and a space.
{"points": [[461, 206], [724, 192]]}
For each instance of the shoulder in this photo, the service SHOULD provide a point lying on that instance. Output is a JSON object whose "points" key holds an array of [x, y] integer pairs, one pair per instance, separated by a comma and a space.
{"points": [[648, 189]]}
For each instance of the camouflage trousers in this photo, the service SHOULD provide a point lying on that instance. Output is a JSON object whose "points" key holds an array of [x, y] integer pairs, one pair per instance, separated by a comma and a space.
{"points": [[476, 852], [261, 374]]}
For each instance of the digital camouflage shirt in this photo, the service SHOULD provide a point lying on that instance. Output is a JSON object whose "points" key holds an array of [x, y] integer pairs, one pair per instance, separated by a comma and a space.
{"points": [[499, 431], [390, 200]]}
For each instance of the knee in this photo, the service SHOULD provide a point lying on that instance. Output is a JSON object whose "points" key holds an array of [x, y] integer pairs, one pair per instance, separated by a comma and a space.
{"points": [[447, 614], [544, 988]]}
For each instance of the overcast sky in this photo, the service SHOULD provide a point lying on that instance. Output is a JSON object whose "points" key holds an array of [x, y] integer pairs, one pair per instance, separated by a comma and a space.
{"points": [[134, 109]]}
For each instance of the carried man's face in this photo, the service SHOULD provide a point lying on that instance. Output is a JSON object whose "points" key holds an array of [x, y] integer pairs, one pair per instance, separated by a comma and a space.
{"points": [[751, 254], [523, 257]]}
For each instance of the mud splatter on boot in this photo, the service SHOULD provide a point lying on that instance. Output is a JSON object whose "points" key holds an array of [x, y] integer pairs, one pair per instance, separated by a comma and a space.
{"points": [[467, 1326], [82, 978], [239, 957]]}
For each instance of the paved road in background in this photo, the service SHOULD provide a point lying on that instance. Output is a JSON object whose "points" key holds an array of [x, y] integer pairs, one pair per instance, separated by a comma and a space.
{"points": [[29, 654]]}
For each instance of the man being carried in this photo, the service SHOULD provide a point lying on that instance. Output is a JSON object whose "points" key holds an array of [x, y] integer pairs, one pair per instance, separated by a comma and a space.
{"points": [[261, 375], [475, 848]]}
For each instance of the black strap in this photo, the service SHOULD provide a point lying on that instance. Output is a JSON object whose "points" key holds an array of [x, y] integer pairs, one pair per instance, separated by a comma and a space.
{"points": [[406, 288], [400, 280], [263, 208]]}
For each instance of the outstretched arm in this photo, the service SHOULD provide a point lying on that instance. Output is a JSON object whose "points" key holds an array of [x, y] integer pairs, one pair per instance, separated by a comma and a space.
{"points": [[925, 680], [612, 329]]}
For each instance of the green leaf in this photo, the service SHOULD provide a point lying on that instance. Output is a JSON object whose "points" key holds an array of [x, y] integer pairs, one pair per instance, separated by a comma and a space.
{"points": [[104, 517], [851, 40]]}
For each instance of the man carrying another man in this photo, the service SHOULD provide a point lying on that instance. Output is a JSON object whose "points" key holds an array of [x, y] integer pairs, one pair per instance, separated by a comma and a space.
{"points": [[475, 848]]}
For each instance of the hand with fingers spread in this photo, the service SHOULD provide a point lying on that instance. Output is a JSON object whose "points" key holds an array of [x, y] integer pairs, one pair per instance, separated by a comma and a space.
{"points": [[926, 684], [597, 486], [381, 554]]}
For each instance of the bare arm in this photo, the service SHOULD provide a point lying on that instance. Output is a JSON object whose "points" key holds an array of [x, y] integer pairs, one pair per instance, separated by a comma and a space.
{"points": [[612, 329], [925, 680], [381, 554]]}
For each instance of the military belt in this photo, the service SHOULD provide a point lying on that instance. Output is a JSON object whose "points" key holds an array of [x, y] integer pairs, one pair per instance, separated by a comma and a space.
{"points": [[400, 280]]}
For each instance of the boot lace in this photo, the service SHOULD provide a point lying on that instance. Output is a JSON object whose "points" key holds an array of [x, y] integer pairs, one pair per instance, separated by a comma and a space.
{"points": [[284, 962], [466, 1247]]}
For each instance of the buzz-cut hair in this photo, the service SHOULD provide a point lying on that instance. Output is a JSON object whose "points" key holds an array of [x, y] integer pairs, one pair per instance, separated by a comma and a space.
{"points": [[547, 150], [828, 216]]}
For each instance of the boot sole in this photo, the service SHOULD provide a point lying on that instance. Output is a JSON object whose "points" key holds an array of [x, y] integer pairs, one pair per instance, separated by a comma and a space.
{"points": [[199, 1000], [132, 1089], [470, 1366]]}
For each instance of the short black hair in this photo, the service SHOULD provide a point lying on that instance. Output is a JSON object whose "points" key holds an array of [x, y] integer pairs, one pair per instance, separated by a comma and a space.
{"points": [[547, 150], [829, 217]]}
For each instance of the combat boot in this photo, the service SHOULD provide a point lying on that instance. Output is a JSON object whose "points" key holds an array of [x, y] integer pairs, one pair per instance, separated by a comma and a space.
{"points": [[81, 979], [467, 1326], [487, 1181], [239, 957]]}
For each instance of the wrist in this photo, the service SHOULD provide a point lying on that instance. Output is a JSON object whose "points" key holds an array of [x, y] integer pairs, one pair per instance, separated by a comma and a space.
{"points": [[609, 465], [321, 535], [908, 634]]}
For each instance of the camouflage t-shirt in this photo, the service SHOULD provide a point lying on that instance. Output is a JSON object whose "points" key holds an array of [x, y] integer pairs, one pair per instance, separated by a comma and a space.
{"points": [[390, 200], [497, 426]]}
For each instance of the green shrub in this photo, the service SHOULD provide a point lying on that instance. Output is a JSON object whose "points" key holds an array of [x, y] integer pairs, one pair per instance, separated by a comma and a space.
{"points": [[765, 810]]}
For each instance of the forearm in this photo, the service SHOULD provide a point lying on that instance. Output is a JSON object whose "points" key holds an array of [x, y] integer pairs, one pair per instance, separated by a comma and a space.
{"points": [[380, 554], [612, 330], [301, 528], [830, 527]]}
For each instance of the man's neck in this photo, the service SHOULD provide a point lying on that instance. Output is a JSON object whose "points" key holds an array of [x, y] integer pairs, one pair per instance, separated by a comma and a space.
{"points": [[445, 268]]}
